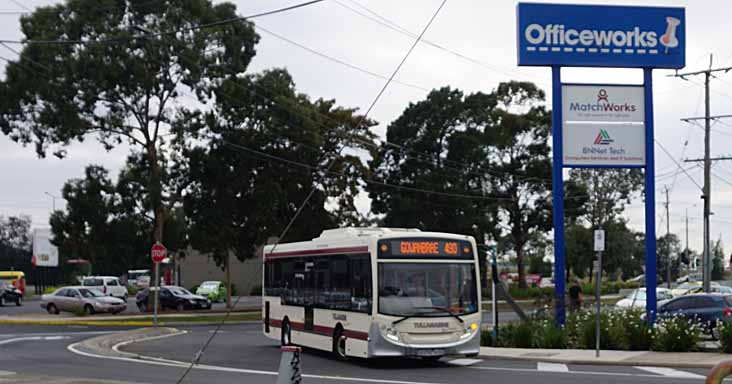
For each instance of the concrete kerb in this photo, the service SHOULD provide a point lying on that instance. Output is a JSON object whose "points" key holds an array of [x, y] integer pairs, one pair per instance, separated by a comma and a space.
{"points": [[618, 358], [107, 345]]}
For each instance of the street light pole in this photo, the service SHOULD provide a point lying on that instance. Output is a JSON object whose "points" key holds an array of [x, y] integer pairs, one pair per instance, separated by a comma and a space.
{"points": [[53, 200]]}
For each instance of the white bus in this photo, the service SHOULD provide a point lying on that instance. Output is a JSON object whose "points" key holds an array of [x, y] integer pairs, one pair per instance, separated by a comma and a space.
{"points": [[372, 292]]}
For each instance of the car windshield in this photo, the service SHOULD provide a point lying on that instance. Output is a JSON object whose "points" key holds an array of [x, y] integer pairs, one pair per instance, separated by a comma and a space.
{"points": [[92, 282], [687, 286], [90, 293], [637, 295], [178, 291], [409, 289]]}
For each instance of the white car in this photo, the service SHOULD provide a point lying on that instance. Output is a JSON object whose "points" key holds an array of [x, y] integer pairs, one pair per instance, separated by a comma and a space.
{"points": [[109, 285], [637, 298]]}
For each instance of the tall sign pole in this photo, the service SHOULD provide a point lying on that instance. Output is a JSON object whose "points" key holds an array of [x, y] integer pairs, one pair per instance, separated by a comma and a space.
{"points": [[158, 253], [599, 248], [608, 125]]}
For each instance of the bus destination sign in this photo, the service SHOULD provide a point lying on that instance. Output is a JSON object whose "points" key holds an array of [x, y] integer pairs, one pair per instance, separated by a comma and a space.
{"points": [[424, 248]]}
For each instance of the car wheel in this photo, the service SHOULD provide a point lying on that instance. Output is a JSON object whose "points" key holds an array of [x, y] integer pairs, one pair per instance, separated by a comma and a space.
{"points": [[2, 301], [125, 297], [339, 344], [286, 333], [51, 308], [19, 301], [180, 307], [88, 309]]}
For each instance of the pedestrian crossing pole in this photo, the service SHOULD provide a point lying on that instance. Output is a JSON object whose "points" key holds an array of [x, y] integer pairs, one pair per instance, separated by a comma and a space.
{"points": [[599, 247]]}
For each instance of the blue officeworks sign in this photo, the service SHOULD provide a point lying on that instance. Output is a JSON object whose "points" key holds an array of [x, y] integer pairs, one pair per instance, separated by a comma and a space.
{"points": [[601, 36]]}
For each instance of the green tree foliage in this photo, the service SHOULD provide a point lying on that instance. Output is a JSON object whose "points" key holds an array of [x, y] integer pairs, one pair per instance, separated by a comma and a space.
{"points": [[433, 147], [718, 260], [608, 191], [668, 249], [104, 224], [121, 83], [472, 164], [15, 242], [266, 146]]}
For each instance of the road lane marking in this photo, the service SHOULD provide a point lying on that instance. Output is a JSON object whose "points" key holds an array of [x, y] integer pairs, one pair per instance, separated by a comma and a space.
{"points": [[34, 338], [463, 362], [586, 373], [669, 372], [55, 333], [551, 367], [183, 365]]}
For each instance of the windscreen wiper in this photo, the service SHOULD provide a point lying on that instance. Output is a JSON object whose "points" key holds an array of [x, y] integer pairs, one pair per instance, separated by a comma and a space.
{"points": [[395, 322], [446, 310]]}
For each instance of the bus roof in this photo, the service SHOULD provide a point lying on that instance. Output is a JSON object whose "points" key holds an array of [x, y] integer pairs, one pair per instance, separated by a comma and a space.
{"points": [[347, 240]]}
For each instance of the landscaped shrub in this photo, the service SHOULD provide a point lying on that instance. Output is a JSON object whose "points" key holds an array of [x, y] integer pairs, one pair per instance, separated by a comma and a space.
{"points": [[676, 334], [486, 338], [547, 334], [630, 331], [725, 336], [516, 335]]}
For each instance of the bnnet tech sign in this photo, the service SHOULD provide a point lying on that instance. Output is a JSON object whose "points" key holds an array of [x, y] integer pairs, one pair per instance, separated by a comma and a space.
{"points": [[606, 36]]}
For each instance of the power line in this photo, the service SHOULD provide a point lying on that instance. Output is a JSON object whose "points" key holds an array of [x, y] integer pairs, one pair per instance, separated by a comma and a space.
{"points": [[338, 61], [158, 34], [383, 21], [677, 163]]}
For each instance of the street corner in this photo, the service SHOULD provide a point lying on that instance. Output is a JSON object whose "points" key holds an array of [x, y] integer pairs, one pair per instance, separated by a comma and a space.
{"points": [[20, 378], [108, 344]]}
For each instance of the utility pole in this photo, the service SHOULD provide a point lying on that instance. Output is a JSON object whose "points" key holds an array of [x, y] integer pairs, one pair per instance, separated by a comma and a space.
{"points": [[707, 192], [686, 247], [668, 244]]}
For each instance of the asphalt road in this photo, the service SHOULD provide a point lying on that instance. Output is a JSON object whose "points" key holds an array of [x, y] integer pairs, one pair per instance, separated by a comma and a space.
{"points": [[240, 354], [33, 307]]}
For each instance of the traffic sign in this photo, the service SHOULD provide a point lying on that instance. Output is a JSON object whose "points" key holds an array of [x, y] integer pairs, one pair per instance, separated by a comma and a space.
{"points": [[599, 240], [158, 252]]}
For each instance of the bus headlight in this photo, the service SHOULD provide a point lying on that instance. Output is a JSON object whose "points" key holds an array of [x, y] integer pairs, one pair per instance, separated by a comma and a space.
{"points": [[392, 334], [469, 330]]}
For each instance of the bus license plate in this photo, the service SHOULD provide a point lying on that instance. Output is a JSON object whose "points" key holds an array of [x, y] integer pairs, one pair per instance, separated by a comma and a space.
{"points": [[430, 352]]}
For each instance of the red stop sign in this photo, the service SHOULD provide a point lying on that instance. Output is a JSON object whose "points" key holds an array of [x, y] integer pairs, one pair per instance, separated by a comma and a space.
{"points": [[158, 252]]}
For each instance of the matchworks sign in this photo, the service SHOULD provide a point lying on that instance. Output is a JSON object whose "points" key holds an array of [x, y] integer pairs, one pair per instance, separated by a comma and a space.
{"points": [[603, 125], [606, 36]]}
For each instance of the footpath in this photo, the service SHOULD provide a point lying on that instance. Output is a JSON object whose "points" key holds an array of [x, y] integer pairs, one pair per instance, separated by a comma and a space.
{"points": [[626, 358], [140, 320]]}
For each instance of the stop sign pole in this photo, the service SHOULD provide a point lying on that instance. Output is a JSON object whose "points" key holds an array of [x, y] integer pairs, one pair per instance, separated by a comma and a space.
{"points": [[158, 253]]}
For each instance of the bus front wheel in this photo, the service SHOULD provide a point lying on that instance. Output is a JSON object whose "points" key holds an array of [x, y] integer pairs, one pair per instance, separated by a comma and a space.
{"points": [[339, 344], [286, 333]]}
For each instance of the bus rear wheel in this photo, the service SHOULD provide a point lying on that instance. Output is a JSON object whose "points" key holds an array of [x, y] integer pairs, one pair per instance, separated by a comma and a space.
{"points": [[339, 344], [286, 333]]}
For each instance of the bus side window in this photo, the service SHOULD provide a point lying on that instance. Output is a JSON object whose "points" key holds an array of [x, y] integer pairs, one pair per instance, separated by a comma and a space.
{"points": [[360, 274]]}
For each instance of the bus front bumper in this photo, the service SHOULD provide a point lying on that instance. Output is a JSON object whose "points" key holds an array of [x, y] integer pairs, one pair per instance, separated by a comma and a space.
{"points": [[381, 347]]}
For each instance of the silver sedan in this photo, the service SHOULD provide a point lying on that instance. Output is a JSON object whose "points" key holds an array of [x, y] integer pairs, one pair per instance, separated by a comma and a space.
{"points": [[81, 300]]}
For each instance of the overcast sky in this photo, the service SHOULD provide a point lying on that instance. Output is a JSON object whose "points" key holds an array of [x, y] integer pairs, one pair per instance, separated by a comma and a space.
{"points": [[483, 31]]}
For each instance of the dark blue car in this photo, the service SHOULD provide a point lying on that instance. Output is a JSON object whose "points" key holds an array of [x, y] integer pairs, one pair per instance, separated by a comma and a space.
{"points": [[705, 308]]}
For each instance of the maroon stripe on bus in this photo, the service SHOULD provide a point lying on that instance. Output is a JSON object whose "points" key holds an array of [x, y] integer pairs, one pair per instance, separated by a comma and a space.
{"points": [[315, 252], [322, 330]]}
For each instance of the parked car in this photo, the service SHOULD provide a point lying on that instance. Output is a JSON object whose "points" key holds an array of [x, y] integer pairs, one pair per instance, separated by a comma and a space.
{"points": [[172, 297], [10, 294], [682, 289], [637, 298], [109, 285], [715, 288], [81, 298], [707, 308], [214, 290]]}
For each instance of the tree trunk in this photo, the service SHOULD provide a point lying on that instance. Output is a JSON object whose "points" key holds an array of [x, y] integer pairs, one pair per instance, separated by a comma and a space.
{"points": [[227, 265], [156, 195], [520, 265]]}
